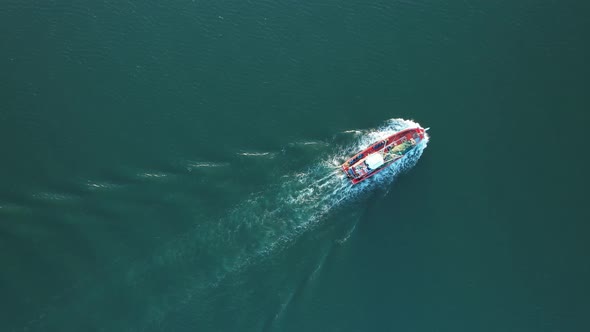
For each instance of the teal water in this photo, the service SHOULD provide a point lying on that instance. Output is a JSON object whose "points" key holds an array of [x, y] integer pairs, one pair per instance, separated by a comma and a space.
{"points": [[171, 167]]}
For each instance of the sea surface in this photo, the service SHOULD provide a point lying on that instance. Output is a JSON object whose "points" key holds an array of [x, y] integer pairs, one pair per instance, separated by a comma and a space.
{"points": [[173, 166]]}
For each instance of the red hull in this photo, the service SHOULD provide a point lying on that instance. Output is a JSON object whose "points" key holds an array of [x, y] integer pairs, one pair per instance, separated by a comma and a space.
{"points": [[389, 150]]}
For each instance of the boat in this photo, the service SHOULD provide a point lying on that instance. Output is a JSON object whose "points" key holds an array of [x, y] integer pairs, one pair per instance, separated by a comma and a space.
{"points": [[382, 154]]}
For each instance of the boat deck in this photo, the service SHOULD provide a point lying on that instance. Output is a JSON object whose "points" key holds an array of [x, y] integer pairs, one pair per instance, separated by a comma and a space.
{"points": [[391, 149]]}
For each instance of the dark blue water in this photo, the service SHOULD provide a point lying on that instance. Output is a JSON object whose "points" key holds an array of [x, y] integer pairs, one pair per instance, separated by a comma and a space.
{"points": [[173, 167]]}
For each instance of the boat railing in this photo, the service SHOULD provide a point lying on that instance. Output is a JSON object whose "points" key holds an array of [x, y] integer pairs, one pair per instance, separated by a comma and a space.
{"points": [[401, 140], [378, 147]]}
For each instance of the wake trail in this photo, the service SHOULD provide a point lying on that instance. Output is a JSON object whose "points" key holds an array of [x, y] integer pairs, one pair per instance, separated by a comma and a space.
{"points": [[263, 225], [273, 220]]}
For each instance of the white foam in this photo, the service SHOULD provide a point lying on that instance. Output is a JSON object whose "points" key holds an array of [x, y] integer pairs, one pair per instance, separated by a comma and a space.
{"points": [[204, 164], [352, 131], [152, 175], [308, 143], [255, 154], [103, 185]]}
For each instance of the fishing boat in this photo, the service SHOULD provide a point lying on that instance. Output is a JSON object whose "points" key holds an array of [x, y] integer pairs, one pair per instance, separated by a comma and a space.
{"points": [[382, 154]]}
